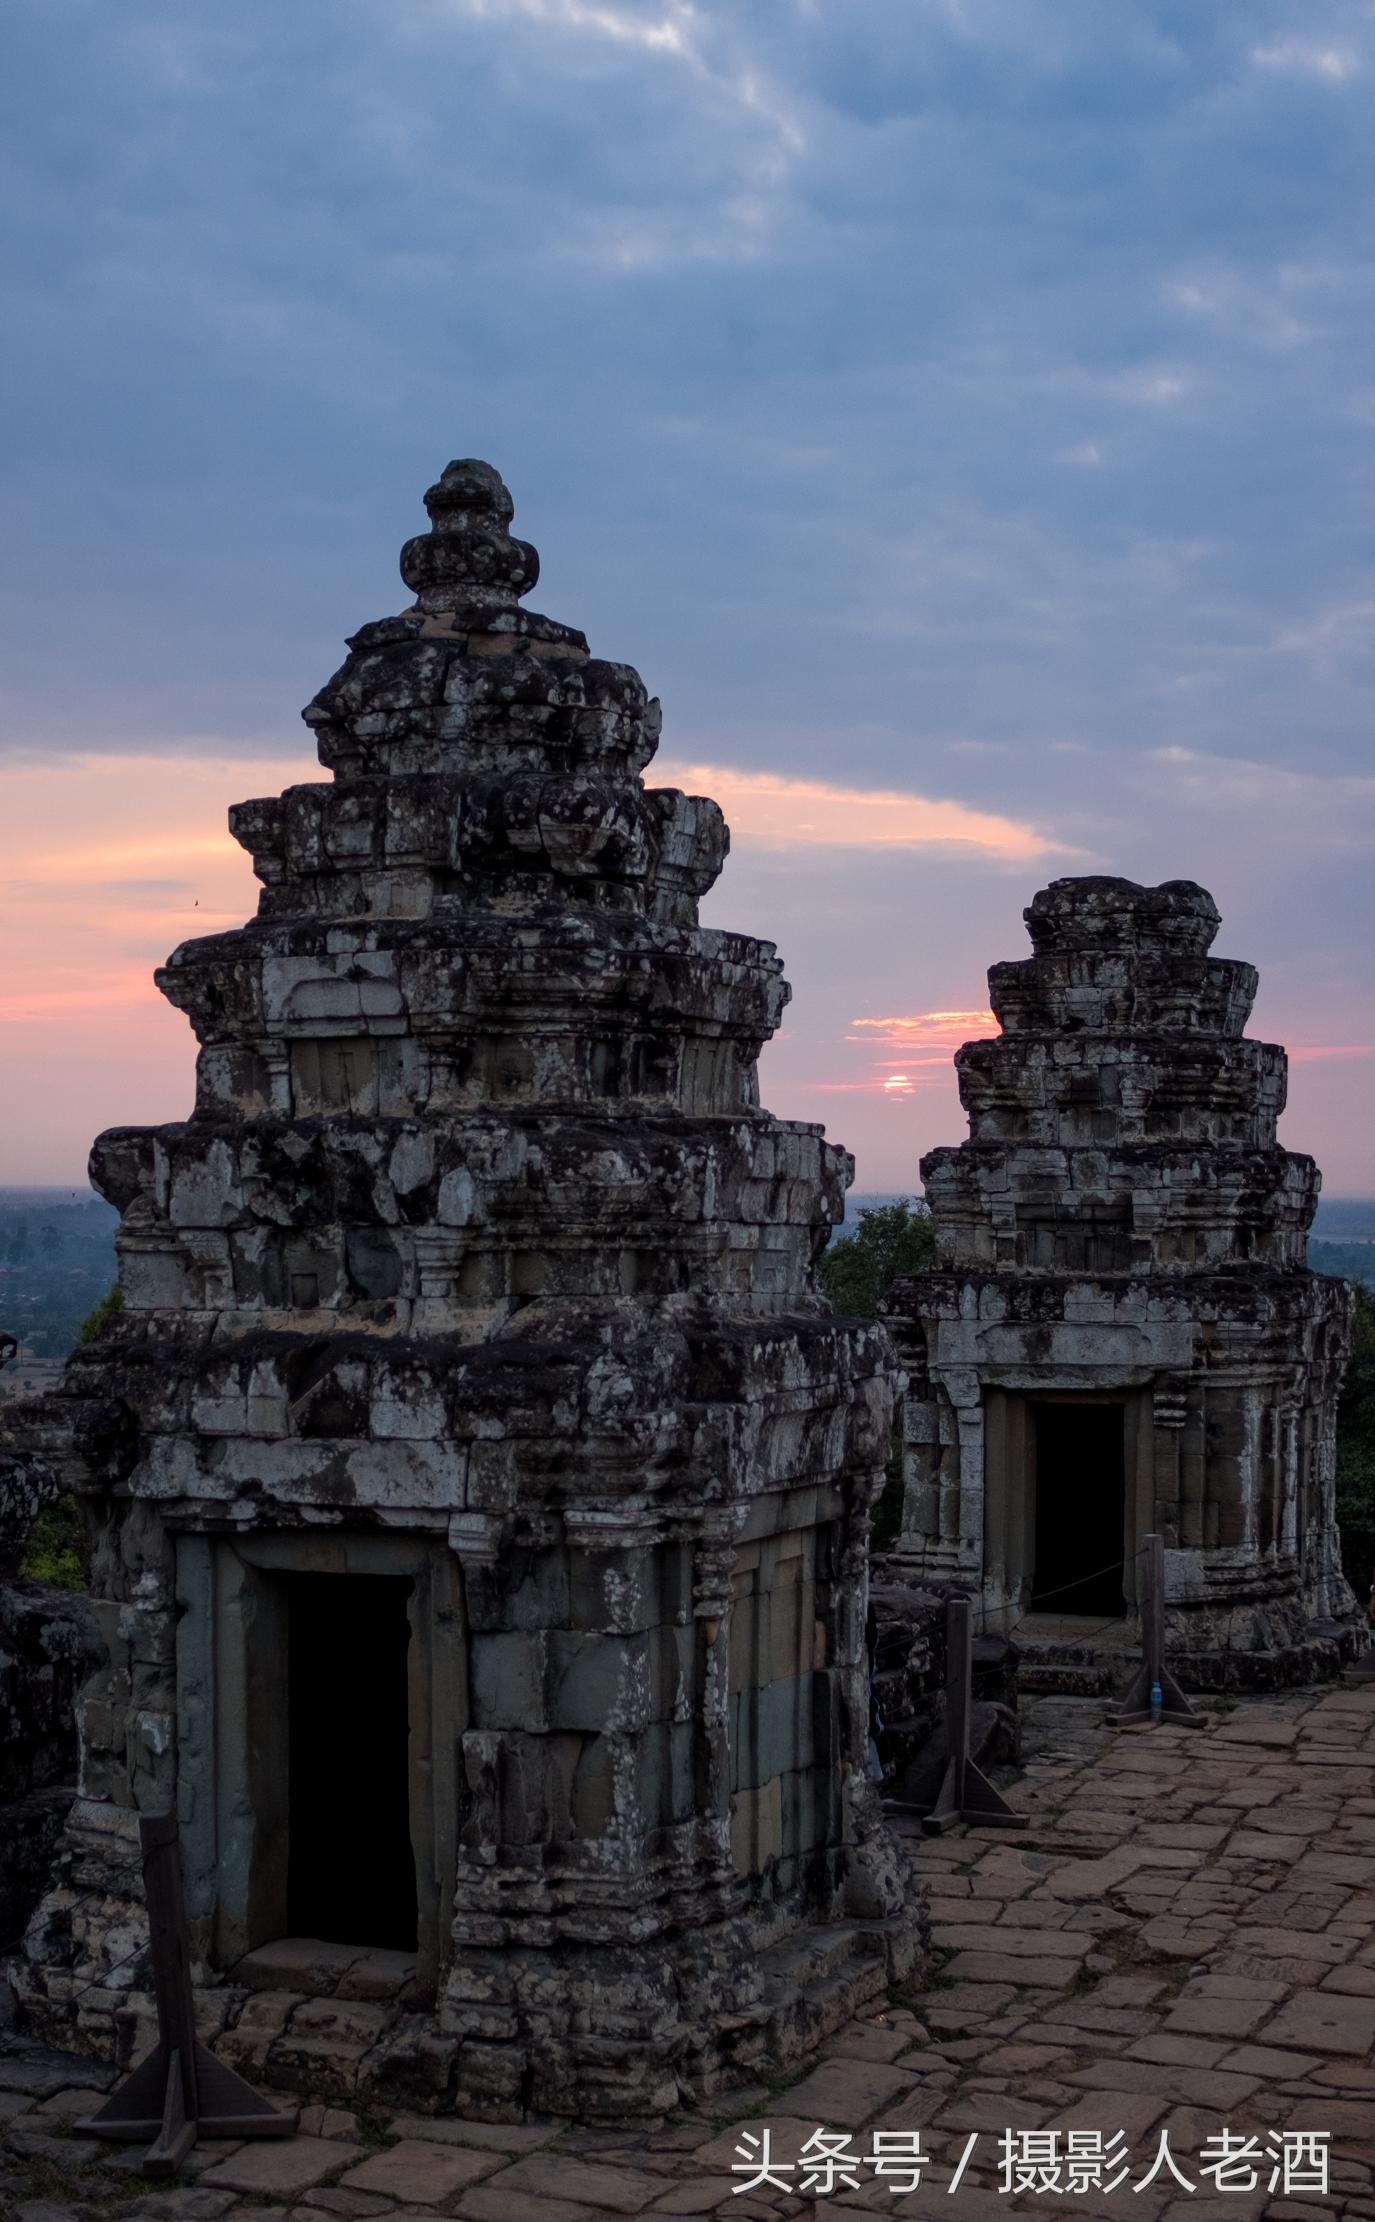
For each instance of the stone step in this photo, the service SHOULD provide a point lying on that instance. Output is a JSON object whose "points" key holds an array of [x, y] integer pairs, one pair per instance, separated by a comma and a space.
{"points": [[811, 1955], [807, 2016], [814, 1982], [320, 1970], [1073, 1667], [1089, 1680]]}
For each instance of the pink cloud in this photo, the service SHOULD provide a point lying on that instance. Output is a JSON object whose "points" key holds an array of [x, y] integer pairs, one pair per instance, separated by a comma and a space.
{"points": [[772, 812], [929, 1029], [897, 1084], [106, 863], [1307, 1053]]}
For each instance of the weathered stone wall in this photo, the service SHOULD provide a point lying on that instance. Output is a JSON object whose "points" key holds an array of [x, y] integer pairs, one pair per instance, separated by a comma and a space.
{"points": [[32, 1480], [907, 1649], [479, 1267], [1122, 1220], [47, 1645], [47, 1649]]}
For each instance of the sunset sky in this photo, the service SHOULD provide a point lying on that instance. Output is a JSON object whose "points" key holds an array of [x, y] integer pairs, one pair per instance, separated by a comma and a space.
{"points": [[961, 411]]}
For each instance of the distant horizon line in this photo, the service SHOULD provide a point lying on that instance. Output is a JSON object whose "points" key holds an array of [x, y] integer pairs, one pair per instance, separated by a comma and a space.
{"points": [[852, 1195]]}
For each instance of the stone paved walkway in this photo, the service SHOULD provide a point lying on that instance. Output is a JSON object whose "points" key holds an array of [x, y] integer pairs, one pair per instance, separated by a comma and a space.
{"points": [[1182, 1941]]}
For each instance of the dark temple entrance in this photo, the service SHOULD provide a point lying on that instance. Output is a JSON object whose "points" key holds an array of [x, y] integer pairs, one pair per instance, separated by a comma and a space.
{"points": [[1080, 1507], [350, 1867]]}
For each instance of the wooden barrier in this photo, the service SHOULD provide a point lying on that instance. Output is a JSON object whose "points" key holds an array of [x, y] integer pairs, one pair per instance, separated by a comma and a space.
{"points": [[181, 2091], [1134, 1706], [965, 1794]]}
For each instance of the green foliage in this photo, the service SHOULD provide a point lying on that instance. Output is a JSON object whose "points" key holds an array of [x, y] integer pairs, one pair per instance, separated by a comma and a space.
{"points": [[856, 1273], [111, 1303], [889, 1240], [57, 1553], [1356, 1450]]}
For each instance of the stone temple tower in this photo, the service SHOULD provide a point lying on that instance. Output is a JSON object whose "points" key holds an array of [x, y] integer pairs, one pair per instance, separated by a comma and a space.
{"points": [[480, 1485], [1122, 1335]]}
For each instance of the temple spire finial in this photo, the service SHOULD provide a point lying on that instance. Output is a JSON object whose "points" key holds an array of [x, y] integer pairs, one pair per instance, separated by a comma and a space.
{"points": [[469, 555]]}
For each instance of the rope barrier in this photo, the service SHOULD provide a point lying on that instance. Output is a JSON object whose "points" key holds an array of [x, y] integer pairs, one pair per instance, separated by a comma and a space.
{"points": [[1063, 1590], [84, 1900], [96, 1982], [1081, 1579]]}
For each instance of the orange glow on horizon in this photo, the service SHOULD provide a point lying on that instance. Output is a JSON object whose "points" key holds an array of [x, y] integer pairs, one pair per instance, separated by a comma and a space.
{"points": [[1305, 1053], [107, 863], [930, 1029]]}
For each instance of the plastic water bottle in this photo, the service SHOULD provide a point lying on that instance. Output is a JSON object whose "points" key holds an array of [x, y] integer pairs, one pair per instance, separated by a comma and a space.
{"points": [[1157, 1704]]}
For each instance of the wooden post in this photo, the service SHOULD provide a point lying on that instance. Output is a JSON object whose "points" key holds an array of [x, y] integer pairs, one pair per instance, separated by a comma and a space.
{"points": [[965, 1794], [1133, 1708], [181, 2090]]}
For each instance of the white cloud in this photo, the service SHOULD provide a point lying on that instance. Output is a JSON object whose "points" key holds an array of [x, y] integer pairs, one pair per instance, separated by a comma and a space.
{"points": [[740, 122], [1268, 802], [1307, 58], [1332, 631], [1262, 308], [669, 30], [1148, 385], [628, 240]]}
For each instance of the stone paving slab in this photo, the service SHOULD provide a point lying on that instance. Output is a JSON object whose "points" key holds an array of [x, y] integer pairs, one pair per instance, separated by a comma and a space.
{"points": [[281, 2166], [1183, 1942], [420, 2172]]}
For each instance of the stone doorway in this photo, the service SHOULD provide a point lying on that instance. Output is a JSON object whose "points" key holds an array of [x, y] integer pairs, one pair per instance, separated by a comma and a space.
{"points": [[1079, 1524], [321, 1702], [350, 1860]]}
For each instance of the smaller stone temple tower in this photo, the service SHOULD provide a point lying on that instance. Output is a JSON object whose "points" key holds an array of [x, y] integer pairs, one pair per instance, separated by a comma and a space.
{"points": [[1121, 1335], [480, 1485]]}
